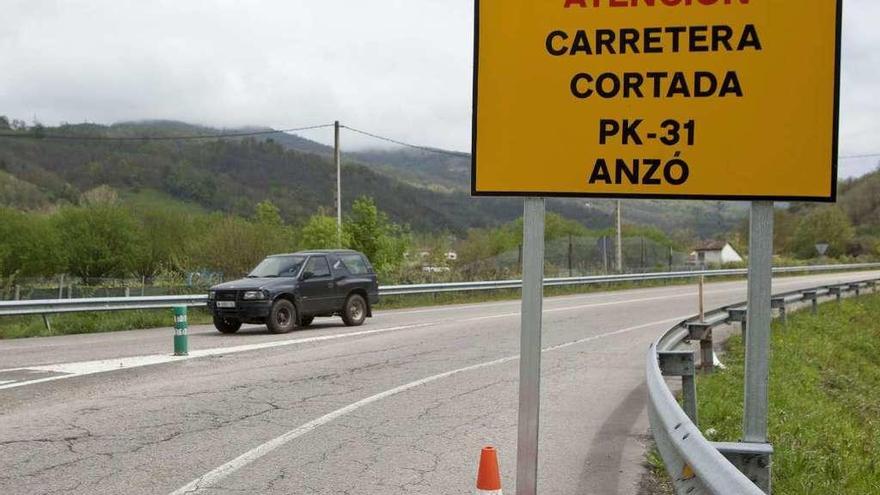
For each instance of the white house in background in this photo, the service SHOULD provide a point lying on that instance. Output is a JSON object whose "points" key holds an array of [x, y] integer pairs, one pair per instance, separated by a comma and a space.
{"points": [[715, 253]]}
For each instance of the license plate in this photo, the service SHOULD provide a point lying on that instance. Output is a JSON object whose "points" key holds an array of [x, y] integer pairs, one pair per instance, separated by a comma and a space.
{"points": [[225, 304]]}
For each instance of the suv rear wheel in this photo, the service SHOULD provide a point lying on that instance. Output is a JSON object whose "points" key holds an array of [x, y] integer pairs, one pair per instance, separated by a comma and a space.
{"points": [[282, 317], [226, 325], [355, 311]]}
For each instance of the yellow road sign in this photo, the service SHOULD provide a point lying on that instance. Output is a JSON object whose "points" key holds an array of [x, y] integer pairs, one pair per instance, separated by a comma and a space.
{"points": [[727, 99]]}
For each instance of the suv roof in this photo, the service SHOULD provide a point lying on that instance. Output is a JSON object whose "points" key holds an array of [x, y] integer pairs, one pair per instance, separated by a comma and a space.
{"points": [[319, 251]]}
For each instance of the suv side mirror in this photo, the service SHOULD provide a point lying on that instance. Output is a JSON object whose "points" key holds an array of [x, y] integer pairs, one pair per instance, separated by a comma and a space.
{"points": [[307, 275]]}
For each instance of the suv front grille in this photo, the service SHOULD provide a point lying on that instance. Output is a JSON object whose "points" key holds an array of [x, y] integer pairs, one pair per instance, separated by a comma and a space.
{"points": [[227, 295]]}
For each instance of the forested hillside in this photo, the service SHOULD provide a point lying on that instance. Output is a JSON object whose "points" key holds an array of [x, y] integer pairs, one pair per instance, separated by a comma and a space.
{"points": [[231, 175], [860, 198]]}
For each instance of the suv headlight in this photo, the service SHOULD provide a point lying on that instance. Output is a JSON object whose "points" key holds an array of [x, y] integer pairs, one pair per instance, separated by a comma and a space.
{"points": [[212, 294], [254, 294]]}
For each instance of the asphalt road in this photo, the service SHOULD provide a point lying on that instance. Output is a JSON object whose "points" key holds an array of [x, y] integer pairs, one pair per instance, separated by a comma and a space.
{"points": [[401, 405]]}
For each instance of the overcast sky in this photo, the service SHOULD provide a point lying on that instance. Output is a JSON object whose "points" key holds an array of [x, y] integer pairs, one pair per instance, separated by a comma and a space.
{"points": [[395, 67]]}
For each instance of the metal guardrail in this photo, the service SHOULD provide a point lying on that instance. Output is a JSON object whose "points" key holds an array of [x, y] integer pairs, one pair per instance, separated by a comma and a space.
{"points": [[696, 465], [55, 306], [394, 290]]}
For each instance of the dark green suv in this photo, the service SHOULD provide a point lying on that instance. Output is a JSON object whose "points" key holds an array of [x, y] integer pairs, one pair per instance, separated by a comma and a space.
{"points": [[286, 291]]}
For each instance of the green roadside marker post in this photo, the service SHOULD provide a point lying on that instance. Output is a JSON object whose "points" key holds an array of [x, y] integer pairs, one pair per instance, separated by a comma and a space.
{"points": [[181, 343]]}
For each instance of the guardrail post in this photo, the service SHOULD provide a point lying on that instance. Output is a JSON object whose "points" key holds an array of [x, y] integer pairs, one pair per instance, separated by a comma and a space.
{"points": [[181, 327], [813, 297], [47, 323], [738, 315], [17, 296], [857, 287], [681, 363], [779, 303], [752, 459], [703, 332], [836, 292]]}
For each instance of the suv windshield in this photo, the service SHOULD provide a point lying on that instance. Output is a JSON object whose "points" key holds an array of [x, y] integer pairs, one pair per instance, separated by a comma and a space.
{"points": [[278, 266]]}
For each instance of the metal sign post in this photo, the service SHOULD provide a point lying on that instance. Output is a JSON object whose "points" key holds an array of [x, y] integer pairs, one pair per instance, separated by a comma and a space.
{"points": [[530, 347], [757, 366]]}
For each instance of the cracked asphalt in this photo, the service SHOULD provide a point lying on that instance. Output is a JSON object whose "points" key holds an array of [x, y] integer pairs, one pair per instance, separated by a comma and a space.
{"points": [[153, 429]]}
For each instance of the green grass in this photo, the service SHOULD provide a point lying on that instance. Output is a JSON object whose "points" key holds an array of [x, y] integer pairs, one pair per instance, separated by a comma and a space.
{"points": [[147, 199], [106, 321], [824, 400]]}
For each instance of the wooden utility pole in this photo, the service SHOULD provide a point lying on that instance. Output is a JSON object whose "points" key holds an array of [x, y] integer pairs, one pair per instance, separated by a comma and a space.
{"points": [[338, 157]]}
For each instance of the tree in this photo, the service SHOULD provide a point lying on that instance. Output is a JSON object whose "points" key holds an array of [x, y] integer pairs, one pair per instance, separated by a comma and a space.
{"points": [[785, 226], [370, 232], [161, 242], [29, 245], [101, 195], [4, 123], [827, 225], [555, 227], [233, 245], [320, 233], [266, 213], [99, 240]]}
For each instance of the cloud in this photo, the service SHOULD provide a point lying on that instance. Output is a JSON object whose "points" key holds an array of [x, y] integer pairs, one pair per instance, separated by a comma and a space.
{"points": [[396, 67]]}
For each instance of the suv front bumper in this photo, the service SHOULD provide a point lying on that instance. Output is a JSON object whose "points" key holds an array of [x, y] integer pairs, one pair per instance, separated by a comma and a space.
{"points": [[243, 310]]}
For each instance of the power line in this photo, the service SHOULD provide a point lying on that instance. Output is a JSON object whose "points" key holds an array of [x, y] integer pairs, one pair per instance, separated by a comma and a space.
{"points": [[866, 155], [429, 149], [34, 135]]}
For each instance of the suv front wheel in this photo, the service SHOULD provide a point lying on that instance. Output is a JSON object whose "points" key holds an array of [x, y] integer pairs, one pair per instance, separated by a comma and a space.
{"points": [[355, 311], [226, 325], [282, 317]]}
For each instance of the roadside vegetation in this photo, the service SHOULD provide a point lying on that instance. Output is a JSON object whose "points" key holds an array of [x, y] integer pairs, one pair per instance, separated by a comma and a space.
{"points": [[17, 327], [824, 399]]}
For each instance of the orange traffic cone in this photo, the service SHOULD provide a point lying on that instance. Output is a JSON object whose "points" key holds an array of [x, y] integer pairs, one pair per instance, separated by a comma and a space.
{"points": [[488, 477]]}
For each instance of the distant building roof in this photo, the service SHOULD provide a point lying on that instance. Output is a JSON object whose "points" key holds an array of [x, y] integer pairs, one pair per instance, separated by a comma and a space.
{"points": [[711, 246]]}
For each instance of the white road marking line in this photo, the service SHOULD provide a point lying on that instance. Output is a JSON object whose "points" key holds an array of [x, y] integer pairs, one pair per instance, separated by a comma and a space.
{"points": [[252, 455], [458, 307], [4, 382], [106, 365]]}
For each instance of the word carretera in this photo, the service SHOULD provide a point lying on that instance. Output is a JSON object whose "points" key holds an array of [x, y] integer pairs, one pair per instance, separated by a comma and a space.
{"points": [[655, 40], [672, 39]]}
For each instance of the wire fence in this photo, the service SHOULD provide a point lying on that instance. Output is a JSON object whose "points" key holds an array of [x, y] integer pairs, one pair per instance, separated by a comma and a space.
{"points": [[564, 257], [583, 256], [67, 287], [567, 257]]}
